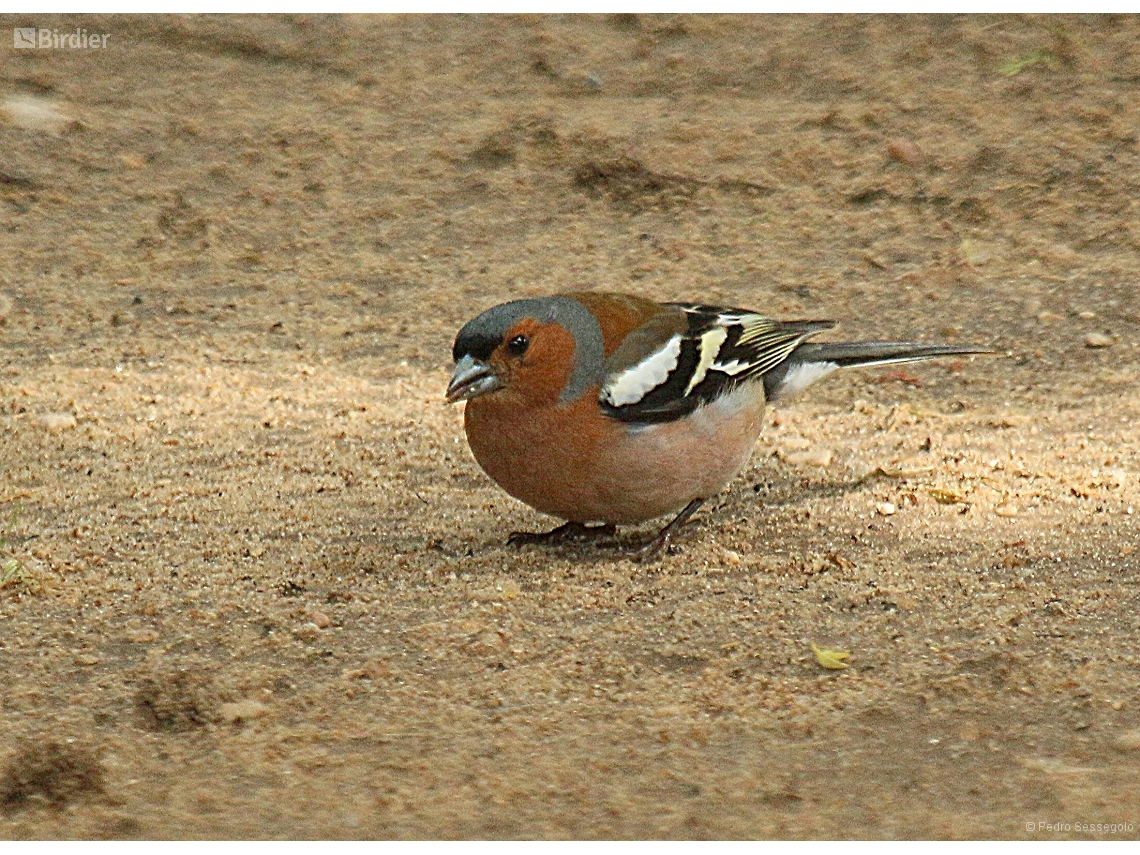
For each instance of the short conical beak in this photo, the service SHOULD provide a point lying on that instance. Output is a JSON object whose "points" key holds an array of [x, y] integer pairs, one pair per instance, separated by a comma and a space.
{"points": [[470, 379]]}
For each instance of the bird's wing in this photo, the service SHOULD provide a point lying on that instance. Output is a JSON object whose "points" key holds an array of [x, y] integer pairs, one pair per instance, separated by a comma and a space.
{"points": [[690, 356]]}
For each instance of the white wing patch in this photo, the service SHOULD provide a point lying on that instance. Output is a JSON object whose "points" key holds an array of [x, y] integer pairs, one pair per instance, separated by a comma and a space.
{"points": [[635, 382], [731, 368], [710, 347]]}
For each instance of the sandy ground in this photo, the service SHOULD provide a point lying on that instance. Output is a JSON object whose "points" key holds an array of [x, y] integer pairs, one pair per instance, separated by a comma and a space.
{"points": [[254, 584]]}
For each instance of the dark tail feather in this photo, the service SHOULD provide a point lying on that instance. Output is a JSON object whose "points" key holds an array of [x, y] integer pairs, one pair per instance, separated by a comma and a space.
{"points": [[812, 360], [849, 354]]}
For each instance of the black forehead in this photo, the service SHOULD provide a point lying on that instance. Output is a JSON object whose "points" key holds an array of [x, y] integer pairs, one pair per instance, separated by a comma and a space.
{"points": [[477, 345], [481, 335]]}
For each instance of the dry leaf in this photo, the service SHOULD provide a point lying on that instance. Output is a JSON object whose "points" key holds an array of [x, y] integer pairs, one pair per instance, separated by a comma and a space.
{"points": [[830, 658]]}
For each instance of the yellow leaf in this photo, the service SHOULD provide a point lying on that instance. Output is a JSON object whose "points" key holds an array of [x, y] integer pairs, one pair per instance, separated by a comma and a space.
{"points": [[830, 658]]}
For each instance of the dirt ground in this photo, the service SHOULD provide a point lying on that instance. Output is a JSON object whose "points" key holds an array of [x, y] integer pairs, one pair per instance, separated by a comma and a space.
{"points": [[254, 585]]}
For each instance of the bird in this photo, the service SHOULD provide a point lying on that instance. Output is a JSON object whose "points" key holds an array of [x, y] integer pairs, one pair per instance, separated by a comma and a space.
{"points": [[605, 409]]}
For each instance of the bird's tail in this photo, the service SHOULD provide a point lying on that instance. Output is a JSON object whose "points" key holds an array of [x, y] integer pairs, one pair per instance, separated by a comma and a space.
{"points": [[813, 360]]}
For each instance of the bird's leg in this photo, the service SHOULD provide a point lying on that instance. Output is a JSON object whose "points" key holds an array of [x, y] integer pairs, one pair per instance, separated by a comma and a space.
{"points": [[665, 536], [562, 534]]}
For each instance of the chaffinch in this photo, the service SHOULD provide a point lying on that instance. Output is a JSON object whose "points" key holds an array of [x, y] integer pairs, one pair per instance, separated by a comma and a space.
{"points": [[613, 409]]}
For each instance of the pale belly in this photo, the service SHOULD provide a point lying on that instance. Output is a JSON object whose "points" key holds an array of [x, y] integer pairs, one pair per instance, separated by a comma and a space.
{"points": [[620, 474]]}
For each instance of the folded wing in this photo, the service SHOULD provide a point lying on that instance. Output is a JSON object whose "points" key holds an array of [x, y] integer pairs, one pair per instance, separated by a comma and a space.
{"points": [[696, 361]]}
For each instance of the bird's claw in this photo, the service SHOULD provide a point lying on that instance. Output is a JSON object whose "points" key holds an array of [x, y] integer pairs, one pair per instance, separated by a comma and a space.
{"points": [[660, 543], [663, 541], [565, 533]]}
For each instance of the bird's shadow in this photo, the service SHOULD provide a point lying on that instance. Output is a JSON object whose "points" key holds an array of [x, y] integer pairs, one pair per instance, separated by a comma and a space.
{"points": [[775, 486], [780, 488]]}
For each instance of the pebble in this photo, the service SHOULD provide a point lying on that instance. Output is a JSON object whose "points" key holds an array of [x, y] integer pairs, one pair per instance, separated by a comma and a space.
{"points": [[1099, 340], [1006, 510], [35, 114], [320, 620], [1048, 317], [975, 254], [490, 638], [373, 670], [1087, 316], [794, 443], [86, 659], [243, 711], [811, 457], [905, 151], [58, 421], [885, 509], [1115, 477], [969, 733], [1129, 740]]}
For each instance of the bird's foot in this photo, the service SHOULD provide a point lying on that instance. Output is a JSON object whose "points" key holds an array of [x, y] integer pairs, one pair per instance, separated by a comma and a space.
{"points": [[664, 538], [565, 533]]}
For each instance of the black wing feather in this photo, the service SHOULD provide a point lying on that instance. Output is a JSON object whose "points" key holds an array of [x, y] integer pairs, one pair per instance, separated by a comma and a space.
{"points": [[730, 347]]}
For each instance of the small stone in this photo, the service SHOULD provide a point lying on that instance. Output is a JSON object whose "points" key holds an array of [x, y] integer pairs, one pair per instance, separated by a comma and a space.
{"points": [[1098, 340], [1087, 316], [307, 632], [968, 733], [373, 670], [1006, 511], [811, 457], [975, 253], [1129, 740], [1115, 478], [905, 151], [320, 619], [243, 711], [794, 443], [1048, 317], [885, 509], [35, 114], [86, 660], [487, 643], [58, 421], [377, 668]]}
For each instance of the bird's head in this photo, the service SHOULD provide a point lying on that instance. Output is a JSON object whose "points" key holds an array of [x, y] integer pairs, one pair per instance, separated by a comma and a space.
{"points": [[546, 351]]}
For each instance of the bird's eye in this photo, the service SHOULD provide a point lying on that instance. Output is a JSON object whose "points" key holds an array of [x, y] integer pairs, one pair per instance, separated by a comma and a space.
{"points": [[517, 346]]}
